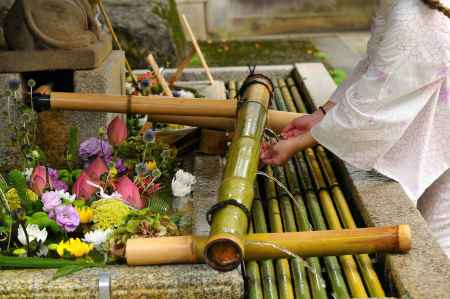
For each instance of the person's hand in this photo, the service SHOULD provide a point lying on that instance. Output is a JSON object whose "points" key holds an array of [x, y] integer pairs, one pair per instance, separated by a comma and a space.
{"points": [[301, 125], [278, 153]]}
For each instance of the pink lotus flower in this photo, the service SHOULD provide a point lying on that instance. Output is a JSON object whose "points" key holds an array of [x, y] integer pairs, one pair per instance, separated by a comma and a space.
{"points": [[96, 168], [117, 131], [39, 179], [81, 188], [130, 193]]}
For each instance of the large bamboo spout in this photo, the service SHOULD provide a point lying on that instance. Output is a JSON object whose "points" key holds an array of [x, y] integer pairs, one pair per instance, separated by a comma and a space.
{"points": [[224, 249], [189, 249], [204, 113]]}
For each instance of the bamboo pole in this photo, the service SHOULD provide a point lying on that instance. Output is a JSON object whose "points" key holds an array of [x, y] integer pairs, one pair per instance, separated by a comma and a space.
{"points": [[267, 269], [155, 67], [225, 248], [116, 40], [331, 263], [288, 101], [181, 66], [253, 277], [232, 89], [296, 95], [189, 249], [284, 278], [373, 284], [316, 281], [348, 263], [301, 286], [197, 49]]}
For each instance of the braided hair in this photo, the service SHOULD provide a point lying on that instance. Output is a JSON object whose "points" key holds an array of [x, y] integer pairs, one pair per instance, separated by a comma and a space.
{"points": [[436, 4]]}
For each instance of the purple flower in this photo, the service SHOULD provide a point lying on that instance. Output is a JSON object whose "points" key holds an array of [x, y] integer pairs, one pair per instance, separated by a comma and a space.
{"points": [[120, 166], [149, 136], [67, 217], [51, 201], [55, 182], [93, 147]]}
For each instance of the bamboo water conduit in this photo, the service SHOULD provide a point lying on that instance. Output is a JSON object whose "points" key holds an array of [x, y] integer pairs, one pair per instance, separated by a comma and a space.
{"points": [[189, 249], [253, 277], [206, 113], [370, 277], [229, 219]]}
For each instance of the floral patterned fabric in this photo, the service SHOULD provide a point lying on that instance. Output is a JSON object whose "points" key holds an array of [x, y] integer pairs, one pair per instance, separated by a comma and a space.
{"points": [[393, 113]]}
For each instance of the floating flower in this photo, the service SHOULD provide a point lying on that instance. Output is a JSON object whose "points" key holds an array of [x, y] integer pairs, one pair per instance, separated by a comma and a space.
{"points": [[39, 179], [151, 165], [56, 184], [130, 193], [96, 168], [81, 187], [109, 213], [149, 136], [51, 200], [182, 183], [117, 131], [75, 247], [86, 214], [94, 147], [67, 218], [33, 232], [97, 237]]}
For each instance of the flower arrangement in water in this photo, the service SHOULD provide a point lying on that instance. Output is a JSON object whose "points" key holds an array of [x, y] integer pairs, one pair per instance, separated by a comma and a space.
{"points": [[116, 186]]}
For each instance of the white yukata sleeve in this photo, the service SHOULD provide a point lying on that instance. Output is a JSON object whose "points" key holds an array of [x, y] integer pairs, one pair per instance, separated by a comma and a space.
{"points": [[403, 74]]}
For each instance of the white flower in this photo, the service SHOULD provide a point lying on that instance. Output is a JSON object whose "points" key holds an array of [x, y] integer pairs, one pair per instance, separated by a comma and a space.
{"points": [[43, 251], [66, 195], [97, 237], [142, 121], [130, 88], [182, 183], [34, 233], [27, 173]]}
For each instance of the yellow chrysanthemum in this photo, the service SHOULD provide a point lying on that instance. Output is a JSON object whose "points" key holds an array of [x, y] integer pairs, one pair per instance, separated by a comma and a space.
{"points": [[151, 165], [86, 214], [75, 247], [12, 196], [109, 213]]}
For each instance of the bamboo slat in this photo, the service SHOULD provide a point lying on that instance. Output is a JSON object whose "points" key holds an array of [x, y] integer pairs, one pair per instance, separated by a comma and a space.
{"points": [[253, 277]]}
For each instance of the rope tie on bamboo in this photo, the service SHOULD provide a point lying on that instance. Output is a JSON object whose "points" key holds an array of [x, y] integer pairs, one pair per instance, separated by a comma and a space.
{"points": [[251, 79], [224, 203]]}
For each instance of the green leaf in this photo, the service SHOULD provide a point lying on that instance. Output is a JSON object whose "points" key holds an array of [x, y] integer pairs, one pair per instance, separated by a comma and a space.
{"points": [[17, 180], [42, 220], [72, 148]]}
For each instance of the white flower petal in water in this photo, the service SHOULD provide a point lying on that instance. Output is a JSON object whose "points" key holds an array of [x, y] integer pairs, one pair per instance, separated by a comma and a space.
{"points": [[97, 237], [182, 183], [34, 233]]}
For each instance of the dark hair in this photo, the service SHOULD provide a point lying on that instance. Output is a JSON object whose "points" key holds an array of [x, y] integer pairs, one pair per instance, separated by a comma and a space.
{"points": [[436, 4]]}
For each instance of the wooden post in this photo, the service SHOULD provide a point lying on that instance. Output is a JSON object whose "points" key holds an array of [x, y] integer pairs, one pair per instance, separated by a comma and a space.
{"points": [[152, 62], [197, 49], [181, 66]]}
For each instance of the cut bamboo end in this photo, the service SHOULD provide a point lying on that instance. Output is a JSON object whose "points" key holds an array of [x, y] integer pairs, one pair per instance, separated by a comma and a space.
{"points": [[224, 252], [404, 238]]}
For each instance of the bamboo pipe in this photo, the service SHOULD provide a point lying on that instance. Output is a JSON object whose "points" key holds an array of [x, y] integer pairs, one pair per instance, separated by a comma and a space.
{"points": [[197, 49], [348, 263], [331, 263], [232, 89], [154, 65], [316, 281], [282, 265], [287, 96], [181, 66], [225, 248], [253, 277], [296, 95], [276, 120], [189, 249], [266, 265], [373, 284]]}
